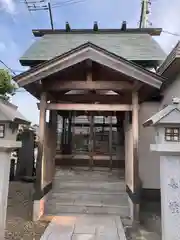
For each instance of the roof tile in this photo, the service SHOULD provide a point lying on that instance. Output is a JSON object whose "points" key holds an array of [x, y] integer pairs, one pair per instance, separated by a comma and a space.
{"points": [[127, 45]]}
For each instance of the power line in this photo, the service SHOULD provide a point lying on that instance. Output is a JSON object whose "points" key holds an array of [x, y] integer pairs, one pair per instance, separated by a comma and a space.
{"points": [[8, 67], [67, 4], [37, 4], [42, 5], [174, 34]]}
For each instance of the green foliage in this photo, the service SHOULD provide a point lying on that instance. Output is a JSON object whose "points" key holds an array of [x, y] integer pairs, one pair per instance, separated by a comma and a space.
{"points": [[6, 86]]}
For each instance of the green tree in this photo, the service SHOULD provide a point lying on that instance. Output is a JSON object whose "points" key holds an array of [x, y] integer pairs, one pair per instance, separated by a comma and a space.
{"points": [[6, 85]]}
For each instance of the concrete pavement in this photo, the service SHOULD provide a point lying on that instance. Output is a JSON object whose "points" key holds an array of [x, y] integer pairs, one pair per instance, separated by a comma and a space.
{"points": [[85, 227]]}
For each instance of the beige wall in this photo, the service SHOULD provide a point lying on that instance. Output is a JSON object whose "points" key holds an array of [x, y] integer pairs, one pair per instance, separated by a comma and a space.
{"points": [[149, 162]]}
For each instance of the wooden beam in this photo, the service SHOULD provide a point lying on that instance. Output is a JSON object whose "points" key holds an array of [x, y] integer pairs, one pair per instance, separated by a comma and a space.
{"points": [[89, 70], [137, 86], [88, 107], [135, 134], [90, 98], [58, 85]]}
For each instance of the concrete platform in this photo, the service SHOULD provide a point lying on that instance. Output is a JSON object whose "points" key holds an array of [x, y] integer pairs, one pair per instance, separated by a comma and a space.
{"points": [[84, 227], [81, 191]]}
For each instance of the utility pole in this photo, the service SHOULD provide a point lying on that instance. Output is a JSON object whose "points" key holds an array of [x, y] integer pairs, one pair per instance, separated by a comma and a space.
{"points": [[50, 15], [37, 5], [144, 13]]}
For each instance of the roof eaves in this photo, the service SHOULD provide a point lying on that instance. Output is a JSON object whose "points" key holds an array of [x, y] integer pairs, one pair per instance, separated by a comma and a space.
{"points": [[160, 115], [91, 45], [151, 31], [169, 59]]}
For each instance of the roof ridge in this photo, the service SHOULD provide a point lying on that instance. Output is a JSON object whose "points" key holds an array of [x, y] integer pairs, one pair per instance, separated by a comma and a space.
{"points": [[170, 57], [151, 31], [6, 102]]}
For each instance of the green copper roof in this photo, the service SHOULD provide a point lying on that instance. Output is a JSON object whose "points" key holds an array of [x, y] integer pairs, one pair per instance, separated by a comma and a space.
{"points": [[132, 46]]}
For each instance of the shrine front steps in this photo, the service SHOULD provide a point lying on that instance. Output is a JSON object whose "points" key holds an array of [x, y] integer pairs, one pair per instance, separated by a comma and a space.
{"points": [[87, 193]]}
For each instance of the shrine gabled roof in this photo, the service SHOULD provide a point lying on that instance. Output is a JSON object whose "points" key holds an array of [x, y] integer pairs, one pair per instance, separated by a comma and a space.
{"points": [[161, 116], [10, 113], [96, 54], [132, 45]]}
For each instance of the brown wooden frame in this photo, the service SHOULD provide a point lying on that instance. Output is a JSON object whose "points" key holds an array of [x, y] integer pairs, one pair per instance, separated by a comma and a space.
{"points": [[88, 107], [4, 126], [60, 85], [172, 134]]}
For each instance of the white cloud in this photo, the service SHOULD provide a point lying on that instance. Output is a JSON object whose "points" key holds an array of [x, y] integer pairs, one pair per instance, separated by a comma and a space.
{"points": [[165, 14], [8, 5], [2, 47]]}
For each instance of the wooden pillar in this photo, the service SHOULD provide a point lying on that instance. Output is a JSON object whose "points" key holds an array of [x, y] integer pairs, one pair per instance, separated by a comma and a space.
{"points": [[110, 142], [53, 139], [73, 132], [91, 139], [42, 129], [63, 136], [135, 134], [70, 133]]}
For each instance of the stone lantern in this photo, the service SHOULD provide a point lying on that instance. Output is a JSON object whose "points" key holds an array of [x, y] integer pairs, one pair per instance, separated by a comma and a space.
{"points": [[167, 142], [10, 119]]}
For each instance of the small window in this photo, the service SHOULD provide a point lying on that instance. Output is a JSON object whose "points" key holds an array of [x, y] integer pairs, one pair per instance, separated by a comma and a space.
{"points": [[172, 134], [2, 130]]}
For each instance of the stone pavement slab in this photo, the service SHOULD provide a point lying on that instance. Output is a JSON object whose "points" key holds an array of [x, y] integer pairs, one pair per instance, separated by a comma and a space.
{"points": [[85, 227], [83, 237]]}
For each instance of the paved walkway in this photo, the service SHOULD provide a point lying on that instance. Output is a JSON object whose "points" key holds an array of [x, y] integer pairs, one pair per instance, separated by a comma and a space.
{"points": [[85, 227]]}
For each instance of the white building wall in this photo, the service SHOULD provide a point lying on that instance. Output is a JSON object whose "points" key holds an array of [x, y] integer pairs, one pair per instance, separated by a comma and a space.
{"points": [[9, 135], [149, 162], [173, 90]]}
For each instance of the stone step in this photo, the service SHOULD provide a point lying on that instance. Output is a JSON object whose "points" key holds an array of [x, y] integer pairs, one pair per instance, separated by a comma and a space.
{"points": [[86, 175], [84, 199], [59, 209], [107, 187], [87, 179], [145, 235]]}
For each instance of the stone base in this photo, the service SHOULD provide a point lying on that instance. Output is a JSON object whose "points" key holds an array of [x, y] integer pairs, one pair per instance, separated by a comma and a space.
{"points": [[134, 210], [170, 192], [39, 207]]}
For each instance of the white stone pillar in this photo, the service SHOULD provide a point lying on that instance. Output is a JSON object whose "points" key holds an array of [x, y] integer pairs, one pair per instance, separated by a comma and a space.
{"points": [[170, 197], [167, 142], [5, 151]]}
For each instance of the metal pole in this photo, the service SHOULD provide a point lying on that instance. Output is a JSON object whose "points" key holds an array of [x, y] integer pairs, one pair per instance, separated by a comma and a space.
{"points": [[50, 15], [144, 13]]}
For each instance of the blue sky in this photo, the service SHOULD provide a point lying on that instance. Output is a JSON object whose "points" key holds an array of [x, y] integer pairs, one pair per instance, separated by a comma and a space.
{"points": [[16, 24]]}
